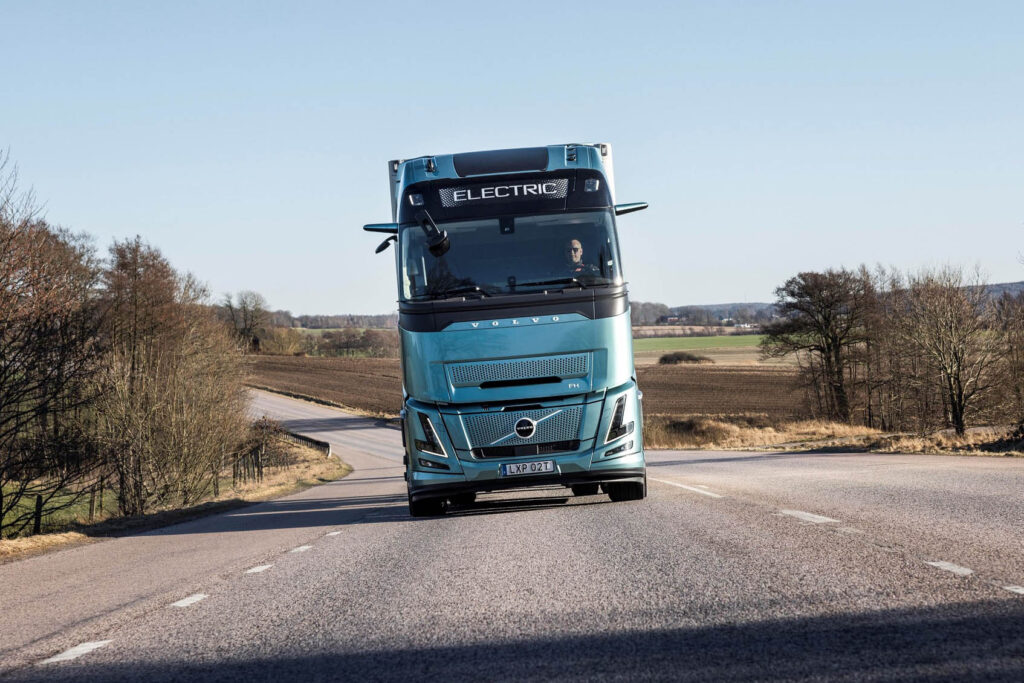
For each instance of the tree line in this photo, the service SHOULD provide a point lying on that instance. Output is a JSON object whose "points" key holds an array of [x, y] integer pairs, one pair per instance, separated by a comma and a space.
{"points": [[116, 374], [653, 313], [903, 351], [258, 330]]}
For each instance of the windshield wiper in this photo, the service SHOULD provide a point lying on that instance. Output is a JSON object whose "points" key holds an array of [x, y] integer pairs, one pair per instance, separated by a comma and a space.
{"points": [[455, 291], [557, 281]]}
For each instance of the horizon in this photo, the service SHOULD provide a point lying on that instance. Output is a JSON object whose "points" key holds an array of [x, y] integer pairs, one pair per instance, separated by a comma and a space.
{"points": [[632, 300]]}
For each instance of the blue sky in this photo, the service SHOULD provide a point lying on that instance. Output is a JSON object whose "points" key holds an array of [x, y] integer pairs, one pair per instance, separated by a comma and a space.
{"points": [[248, 140]]}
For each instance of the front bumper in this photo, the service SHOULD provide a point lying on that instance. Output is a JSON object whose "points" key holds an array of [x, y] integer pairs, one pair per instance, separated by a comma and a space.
{"points": [[628, 468]]}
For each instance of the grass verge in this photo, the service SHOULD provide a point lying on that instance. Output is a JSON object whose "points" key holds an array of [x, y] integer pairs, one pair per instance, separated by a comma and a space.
{"points": [[751, 430], [990, 441], [306, 467]]}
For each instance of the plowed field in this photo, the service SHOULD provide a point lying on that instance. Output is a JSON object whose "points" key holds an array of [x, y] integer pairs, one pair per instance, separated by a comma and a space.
{"points": [[367, 385], [374, 385], [709, 390]]}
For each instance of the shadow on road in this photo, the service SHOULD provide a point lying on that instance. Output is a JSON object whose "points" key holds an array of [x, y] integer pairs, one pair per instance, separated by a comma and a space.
{"points": [[495, 506], [972, 641], [291, 514]]}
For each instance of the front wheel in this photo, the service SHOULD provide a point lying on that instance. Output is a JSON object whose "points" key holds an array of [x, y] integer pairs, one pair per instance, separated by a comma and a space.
{"points": [[427, 507], [627, 490]]}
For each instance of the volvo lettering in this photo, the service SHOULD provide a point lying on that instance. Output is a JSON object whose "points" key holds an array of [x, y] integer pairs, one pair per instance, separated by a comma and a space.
{"points": [[517, 358]]}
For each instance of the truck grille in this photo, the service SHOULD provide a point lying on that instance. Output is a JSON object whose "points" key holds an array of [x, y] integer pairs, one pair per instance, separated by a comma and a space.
{"points": [[506, 371], [489, 430]]}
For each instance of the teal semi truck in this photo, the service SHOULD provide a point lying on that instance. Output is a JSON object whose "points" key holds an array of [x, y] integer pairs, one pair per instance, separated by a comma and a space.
{"points": [[517, 353]]}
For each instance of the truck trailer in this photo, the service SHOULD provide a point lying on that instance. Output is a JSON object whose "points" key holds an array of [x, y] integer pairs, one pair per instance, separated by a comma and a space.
{"points": [[516, 347]]}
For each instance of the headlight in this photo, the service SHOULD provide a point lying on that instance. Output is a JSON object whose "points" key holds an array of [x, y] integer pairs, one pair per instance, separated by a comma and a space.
{"points": [[617, 430], [429, 443]]}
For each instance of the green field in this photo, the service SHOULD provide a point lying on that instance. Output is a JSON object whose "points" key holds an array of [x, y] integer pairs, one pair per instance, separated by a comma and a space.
{"points": [[737, 341]]}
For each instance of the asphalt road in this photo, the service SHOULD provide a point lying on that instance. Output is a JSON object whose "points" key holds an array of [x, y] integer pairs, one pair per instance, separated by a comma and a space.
{"points": [[737, 567]]}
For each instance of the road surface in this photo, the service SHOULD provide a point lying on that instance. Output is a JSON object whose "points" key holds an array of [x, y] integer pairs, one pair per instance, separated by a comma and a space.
{"points": [[737, 567]]}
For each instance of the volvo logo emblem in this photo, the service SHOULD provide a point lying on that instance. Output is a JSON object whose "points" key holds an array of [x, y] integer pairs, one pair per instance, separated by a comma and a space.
{"points": [[525, 428]]}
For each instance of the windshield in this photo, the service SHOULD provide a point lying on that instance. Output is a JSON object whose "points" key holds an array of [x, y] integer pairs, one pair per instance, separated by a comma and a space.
{"points": [[512, 254]]}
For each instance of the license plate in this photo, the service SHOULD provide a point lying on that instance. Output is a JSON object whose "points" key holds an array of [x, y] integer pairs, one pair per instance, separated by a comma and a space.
{"points": [[518, 468]]}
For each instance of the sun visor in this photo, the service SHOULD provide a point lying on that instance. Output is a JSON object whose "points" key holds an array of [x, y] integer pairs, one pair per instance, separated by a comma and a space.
{"points": [[501, 161]]}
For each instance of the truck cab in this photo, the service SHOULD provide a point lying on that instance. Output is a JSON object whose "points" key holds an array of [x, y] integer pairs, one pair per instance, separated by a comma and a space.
{"points": [[516, 345]]}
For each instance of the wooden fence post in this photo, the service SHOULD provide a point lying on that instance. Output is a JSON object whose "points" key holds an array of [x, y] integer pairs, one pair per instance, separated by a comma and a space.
{"points": [[37, 525]]}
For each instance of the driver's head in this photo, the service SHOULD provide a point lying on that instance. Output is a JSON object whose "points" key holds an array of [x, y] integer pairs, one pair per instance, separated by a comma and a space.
{"points": [[574, 251]]}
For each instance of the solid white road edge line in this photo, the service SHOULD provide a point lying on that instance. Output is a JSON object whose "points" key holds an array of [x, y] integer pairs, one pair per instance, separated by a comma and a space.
{"points": [[190, 600], [808, 516], [950, 567], [76, 651], [300, 549], [257, 570], [1019, 590], [710, 494]]}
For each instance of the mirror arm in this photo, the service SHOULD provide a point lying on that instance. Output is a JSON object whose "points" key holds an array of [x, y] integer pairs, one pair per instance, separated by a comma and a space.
{"points": [[389, 228], [621, 209]]}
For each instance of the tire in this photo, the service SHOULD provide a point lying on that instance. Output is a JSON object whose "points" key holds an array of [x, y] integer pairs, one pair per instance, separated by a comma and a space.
{"points": [[463, 498], [627, 490], [585, 489], [427, 507]]}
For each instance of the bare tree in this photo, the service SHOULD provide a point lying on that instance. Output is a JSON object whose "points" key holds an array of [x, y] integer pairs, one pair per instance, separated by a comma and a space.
{"points": [[48, 358], [949, 321], [248, 315], [822, 319], [1010, 324], [175, 412]]}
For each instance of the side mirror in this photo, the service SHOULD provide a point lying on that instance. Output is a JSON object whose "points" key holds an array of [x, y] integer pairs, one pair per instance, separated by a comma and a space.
{"points": [[385, 244], [629, 208], [390, 228]]}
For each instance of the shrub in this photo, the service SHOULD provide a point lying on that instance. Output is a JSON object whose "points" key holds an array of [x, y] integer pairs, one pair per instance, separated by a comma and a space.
{"points": [[683, 357]]}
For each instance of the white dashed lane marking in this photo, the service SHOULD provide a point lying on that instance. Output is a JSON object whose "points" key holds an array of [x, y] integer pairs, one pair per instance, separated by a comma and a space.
{"points": [[809, 517], [1019, 590], [333, 533], [257, 570], [950, 567], [190, 600], [300, 549], [701, 491], [76, 651]]}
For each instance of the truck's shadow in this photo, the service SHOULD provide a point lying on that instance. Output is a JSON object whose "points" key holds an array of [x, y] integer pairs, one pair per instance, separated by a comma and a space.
{"points": [[489, 505], [981, 640]]}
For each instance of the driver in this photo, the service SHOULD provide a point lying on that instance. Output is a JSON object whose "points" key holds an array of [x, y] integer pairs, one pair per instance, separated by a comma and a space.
{"points": [[574, 259]]}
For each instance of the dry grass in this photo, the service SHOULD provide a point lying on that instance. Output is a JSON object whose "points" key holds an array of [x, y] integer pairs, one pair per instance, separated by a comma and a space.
{"points": [[308, 468], [19, 548], [305, 467], [748, 431], [995, 441]]}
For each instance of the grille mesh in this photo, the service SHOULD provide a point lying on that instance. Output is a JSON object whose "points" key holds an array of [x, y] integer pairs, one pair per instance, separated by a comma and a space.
{"points": [[475, 374], [486, 428]]}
